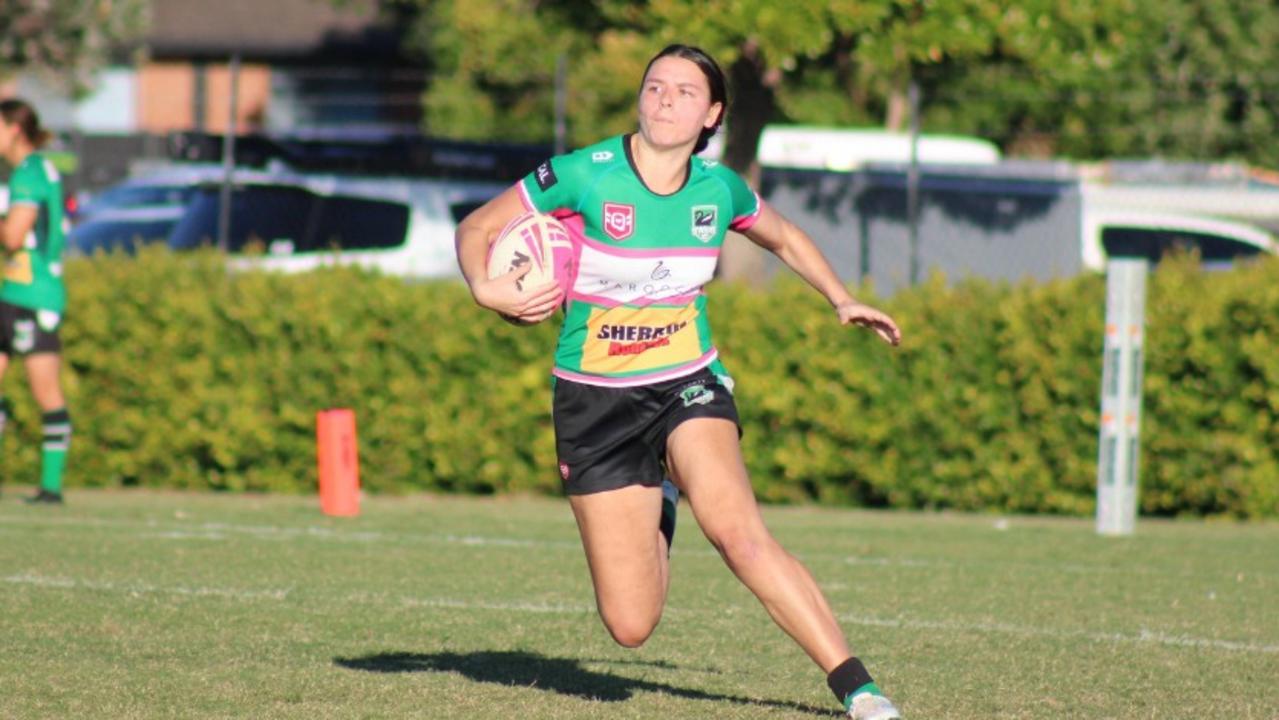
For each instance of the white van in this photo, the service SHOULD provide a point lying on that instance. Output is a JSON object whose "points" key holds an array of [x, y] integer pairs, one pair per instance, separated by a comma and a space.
{"points": [[398, 226], [292, 222], [844, 149], [1151, 235]]}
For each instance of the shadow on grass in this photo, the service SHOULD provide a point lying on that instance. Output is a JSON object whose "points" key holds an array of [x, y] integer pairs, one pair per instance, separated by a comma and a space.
{"points": [[562, 675]]}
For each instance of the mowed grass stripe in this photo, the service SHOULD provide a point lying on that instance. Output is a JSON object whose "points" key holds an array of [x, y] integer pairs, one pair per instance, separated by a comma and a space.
{"points": [[178, 530], [440, 603], [149, 605]]}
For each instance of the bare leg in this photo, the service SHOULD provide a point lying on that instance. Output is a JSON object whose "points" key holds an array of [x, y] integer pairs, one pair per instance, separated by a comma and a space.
{"points": [[627, 557], [705, 458], [4, 419], [43, 370]]}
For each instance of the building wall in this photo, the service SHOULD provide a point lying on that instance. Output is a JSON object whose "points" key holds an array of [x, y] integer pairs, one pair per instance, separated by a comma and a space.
{"points": [[254, 95], [167, 97]]}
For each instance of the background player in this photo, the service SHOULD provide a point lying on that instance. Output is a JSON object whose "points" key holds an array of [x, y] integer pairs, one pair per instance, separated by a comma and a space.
{"points": [[32, 296]]}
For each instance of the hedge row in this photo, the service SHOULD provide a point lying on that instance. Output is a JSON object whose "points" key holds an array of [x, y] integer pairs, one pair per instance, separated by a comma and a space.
{"points": [[180, 374]]}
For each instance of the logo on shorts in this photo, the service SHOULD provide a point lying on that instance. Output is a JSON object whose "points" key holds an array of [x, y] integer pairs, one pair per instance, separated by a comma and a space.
{"points": [[24, 336], [704, 222], [696, 395], [564, 470], [619, 220]]}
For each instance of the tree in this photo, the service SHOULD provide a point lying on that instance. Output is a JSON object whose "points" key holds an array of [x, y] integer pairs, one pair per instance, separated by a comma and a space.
{"points": [[1085, 78], [792, 60], [1191, 79], [67, 39]]}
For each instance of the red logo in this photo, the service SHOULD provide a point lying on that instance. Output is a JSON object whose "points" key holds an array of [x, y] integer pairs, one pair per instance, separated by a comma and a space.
{"points": [[564, 470], [619, 220]]}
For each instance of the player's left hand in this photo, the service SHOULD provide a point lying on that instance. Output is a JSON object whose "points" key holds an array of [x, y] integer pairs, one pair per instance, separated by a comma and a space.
{"points": [[855, 313]]}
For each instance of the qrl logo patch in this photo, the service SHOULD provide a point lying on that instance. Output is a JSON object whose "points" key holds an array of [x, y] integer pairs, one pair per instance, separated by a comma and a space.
{"points": [[619, 220], [704, 222]]}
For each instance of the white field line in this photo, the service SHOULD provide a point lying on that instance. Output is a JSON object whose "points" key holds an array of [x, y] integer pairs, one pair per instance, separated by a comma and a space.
{"points": [[139, 588], [536, 608], [216, 531], [1142, 637]]}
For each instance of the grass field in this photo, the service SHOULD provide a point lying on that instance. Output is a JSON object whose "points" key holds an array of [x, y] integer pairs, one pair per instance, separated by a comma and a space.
{"points": [[157, 605]]}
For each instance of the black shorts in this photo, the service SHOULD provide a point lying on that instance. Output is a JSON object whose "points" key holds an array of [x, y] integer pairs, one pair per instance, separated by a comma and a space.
{"points": [[24, 331], [608, 438]]}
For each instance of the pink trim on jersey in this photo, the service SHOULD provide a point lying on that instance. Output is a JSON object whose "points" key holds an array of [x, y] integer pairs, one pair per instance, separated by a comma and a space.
{"points": [[650, 252], [635, 380], [572, 221], [524, 198], [744, 223], [608, 302]]}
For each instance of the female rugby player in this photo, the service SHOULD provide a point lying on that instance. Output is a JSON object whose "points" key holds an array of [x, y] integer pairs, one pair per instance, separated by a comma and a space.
{"points": [[638, 388], [32, 297]]}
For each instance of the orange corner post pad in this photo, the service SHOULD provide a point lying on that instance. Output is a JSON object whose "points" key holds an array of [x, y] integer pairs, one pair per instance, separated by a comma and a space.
{"points": [[339, 462]]}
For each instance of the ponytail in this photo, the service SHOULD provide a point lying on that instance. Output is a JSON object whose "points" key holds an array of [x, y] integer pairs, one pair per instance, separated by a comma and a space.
{"points": [[20, 113]]}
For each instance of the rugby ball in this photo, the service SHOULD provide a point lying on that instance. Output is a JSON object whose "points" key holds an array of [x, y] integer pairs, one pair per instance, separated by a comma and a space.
{"points": [[537, 240]]}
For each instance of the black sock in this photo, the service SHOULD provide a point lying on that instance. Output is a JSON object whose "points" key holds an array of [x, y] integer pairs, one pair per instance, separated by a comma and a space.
{"points": [[848, 678]]}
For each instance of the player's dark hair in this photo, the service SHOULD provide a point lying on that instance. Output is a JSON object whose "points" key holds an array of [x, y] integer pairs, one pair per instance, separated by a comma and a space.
{"points": [[714, 78], [20, 113]]}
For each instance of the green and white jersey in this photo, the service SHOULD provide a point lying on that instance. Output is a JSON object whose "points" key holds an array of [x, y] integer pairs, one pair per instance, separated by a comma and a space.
{"points": [[636, 313], [33, 274]]}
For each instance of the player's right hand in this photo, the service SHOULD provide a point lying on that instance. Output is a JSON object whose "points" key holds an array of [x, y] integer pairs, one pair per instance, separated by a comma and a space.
{"points": [[507, 296]]}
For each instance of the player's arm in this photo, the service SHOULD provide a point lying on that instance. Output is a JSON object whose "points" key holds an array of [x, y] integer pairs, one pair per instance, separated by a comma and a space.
{"points": [[474, 235], [17, 224], [793, 246]]}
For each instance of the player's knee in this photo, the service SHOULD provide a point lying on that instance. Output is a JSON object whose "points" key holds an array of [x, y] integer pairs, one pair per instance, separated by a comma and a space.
{"points": [[630, 632]]}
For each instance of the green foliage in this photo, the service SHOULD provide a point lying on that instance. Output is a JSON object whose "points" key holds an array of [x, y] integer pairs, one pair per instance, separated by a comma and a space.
{"points": [[1189, 79], [1104, 79], [67, 39], [180, 374]]}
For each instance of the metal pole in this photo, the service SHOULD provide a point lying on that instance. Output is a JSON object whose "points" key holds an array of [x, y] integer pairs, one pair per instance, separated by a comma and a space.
{"points": [[912, 184], [561, 102], [228, 158], [1121, 396]]}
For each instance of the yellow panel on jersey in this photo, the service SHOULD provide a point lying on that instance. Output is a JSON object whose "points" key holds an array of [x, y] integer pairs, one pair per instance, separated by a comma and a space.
{"points": [[640, 339], [636, 313], [18, 269]]}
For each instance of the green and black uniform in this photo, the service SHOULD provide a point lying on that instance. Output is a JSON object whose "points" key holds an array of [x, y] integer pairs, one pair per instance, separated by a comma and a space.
{"points": [[635, 356], [33, 297]]}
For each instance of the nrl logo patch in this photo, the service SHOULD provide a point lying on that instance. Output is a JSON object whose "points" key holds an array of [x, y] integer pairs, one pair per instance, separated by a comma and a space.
{"points": [[705, 226]]}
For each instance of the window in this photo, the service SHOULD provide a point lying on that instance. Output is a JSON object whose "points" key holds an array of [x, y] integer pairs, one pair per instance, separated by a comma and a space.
{"points": [[350, 223], [262, 217], [139, 195], [460, 210], [1153, 244], [107, 234]]}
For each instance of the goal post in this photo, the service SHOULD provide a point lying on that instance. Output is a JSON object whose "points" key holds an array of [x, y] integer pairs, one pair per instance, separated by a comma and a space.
{"points": [[1121, 396]]}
